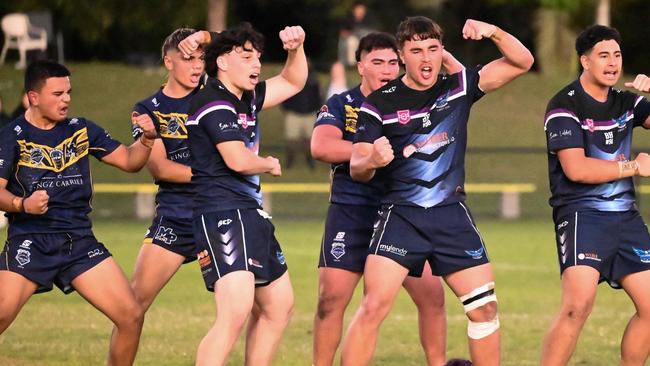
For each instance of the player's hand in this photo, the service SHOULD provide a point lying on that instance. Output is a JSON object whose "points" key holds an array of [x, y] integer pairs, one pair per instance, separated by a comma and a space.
{"points": [[36, 203], [276, 169], [643, 160], [292, 37], [192, 43], [382, 152], [640, 83], [146, 124], [477, 30]]}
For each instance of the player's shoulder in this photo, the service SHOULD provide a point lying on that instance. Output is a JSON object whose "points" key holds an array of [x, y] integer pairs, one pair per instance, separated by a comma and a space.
{"points": [[566, 98], [214, 94], [626, 96], [152, 102], [387, 93]]}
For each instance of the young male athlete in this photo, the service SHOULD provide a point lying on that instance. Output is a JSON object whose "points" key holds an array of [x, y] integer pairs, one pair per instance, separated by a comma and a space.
{"points": [[353, 210], [240, 258], [169, 242], [600, 235], [412, 133], [46, 189]]}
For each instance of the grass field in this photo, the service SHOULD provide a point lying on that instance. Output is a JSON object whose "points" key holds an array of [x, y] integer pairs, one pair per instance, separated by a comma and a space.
{"points": [[54, 329]]}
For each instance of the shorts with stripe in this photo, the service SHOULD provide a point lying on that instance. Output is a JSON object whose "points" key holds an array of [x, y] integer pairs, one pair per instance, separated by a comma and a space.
{"points": [[445, 236], [52, 259], [348, 230], [615, 243], [174, 234], [238, 240]]}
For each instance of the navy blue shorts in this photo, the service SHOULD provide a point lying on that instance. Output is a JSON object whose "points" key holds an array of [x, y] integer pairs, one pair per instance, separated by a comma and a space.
{"points": [[174, 234], [346, 239], [614, 243], [238, 240], [445, 236], [48, 259]]}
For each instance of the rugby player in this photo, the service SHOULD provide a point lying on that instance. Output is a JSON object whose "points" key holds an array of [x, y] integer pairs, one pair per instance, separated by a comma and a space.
{"points": [[600, 235], [353, 209], [46, 190], [412, 133], [240, 258]]}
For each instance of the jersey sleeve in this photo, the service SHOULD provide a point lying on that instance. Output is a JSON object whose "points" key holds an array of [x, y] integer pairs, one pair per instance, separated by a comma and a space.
{"points": [[138, 109], [473, 77], [219, 121], [332, 113], [260, 95], [641, 110], [8, 152], [562, 126], [369, 123], [101, 142]]}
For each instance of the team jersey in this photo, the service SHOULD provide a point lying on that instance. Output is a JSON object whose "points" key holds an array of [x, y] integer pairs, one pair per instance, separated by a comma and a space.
{"points": [[54, 160], [169, 115], [216, 116], [428, 133], [604, 130], [341, 112]]}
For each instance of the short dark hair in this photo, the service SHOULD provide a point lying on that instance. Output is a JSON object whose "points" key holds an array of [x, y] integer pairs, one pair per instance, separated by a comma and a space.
{"points": [[459, 362], [417, 28], [172, 40], [39, 71], [594, 34], [229, 39], [375, 41]]}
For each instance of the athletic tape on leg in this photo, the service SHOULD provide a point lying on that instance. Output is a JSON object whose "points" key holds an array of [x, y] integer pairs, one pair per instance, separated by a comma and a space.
{"points": [[478, 330], [478, 297]]}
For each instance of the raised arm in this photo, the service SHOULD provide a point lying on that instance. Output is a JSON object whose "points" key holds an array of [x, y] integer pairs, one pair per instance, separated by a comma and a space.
{"points": [[293, 76], [240, 159], [367, 158], [582, 169], [132, 158], [642, 83], [516, 59]]}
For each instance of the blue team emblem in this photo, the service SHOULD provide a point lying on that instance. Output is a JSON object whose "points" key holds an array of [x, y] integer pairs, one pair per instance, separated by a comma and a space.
{"points": [[622, 120], [57, 158], [338, 250], [643, 254], [22, 257], [442, 101], [173, 126], [475, 254], [36, 155], [280, 256]]}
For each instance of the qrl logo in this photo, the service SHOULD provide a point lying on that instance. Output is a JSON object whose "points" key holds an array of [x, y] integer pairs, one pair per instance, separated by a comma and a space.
{"points": [[403, 116], [242, 120]]}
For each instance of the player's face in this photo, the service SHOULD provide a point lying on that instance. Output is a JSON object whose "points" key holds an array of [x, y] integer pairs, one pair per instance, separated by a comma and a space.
{"points": [[53, 99], [243, 66], [186, 71], [422, 60], [376, 68], [603, 64]]}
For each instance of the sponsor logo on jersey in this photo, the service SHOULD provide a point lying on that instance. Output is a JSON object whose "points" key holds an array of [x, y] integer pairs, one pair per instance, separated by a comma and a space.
{"points": [[389, 248]]}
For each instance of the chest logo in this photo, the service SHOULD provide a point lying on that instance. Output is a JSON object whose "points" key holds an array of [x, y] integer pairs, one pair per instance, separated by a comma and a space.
{"points": [[242, 120], [172, 125], [404, 116], [56, 158]]}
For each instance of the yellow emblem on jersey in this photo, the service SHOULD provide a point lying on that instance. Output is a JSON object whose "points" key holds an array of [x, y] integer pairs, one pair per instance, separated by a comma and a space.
{"points": [[56, 158], [351, 118], [172, 125]]}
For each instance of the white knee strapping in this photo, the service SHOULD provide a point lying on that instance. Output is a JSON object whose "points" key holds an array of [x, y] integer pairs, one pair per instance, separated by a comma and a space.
{"points": [[478, 297], [478, 330]]}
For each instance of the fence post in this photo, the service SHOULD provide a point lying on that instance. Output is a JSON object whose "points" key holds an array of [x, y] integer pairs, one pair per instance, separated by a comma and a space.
{"points": [[144, 205], [266, 202], [510, 208]]}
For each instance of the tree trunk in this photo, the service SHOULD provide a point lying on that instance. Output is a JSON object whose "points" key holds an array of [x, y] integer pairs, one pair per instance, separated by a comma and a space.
{"points": [[602, 13], [217, 10], [555, 53]]}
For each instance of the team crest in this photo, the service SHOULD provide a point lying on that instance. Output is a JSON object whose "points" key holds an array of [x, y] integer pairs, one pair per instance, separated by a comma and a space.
{"points": [[643, 254], [56, 158], [241, 119], [338, 250], [22, 257], [590, 124], [475, 254], [404, 116], [172, 125]]}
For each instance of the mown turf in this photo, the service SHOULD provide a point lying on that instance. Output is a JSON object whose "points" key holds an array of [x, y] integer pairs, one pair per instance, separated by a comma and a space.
{"points": [[54, 329]]}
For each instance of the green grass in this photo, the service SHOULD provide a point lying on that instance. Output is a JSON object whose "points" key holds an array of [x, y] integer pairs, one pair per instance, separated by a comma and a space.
{"points": [[54, 329]]}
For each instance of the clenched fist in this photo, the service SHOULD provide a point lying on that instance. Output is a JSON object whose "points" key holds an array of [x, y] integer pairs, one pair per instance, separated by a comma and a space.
{"points": [[640, 83], [477, 30], [193, 42], [643, 160], [382, 152], [145, 123], [292, 37], [276, 169], [36, 203]]}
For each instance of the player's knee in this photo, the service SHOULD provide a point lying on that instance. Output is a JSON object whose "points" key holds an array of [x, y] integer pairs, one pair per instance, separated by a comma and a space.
{"points": [[578, 309], [130, 316], [374, 308], [480, 306], [329, 304]]}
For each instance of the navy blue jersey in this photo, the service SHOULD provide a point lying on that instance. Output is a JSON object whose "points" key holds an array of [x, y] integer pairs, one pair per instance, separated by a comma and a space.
{"points": [[428, 132], [169, 115], [55, 160], [341, 112], [217, 115], [604, 130]]}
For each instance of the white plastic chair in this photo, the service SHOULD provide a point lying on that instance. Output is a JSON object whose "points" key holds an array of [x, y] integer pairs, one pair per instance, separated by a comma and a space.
{"points": [[23, 36]]}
